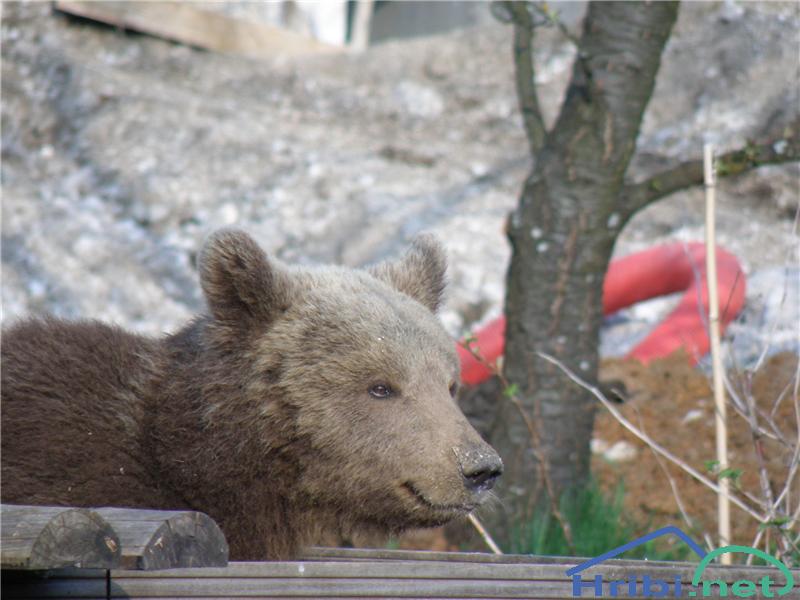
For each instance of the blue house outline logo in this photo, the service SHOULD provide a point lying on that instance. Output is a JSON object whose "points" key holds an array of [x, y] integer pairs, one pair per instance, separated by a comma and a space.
{"points": [[638, 542], [742, 588]]}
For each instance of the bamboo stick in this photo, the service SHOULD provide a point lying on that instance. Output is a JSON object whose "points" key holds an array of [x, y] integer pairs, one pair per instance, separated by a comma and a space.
{"points": [[723, 498]]}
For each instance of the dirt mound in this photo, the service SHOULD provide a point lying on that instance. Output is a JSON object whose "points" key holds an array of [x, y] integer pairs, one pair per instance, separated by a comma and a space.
{"points": [[674, 404]]}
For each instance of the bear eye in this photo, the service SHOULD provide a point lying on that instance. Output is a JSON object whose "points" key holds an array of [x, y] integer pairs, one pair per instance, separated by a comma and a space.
{"points": [[381, 391], [453, 389]]}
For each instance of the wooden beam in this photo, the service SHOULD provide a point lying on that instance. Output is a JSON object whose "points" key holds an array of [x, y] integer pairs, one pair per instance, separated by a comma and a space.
{"points": [[415, 575], [186, 23], [381, 573], [362, 23]]}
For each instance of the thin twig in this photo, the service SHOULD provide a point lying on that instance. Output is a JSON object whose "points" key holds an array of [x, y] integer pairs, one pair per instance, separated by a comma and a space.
{"points": [[793, 466], [484, 534], [553, 18], [772, 328], [646, 438], [672, 484], [536, 444], [756, 542], [740, 407], [758, 449], [525, 76]]}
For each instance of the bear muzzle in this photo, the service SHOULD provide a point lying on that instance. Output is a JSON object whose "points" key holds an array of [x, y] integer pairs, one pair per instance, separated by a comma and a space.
{"points": [[480, 468], [436, 500]]}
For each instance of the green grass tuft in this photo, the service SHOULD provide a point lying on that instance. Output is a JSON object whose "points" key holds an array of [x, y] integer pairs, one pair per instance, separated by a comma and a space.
{"points": [[598, 524]]}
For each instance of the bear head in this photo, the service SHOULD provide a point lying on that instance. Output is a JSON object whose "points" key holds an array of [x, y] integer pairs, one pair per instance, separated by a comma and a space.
{"points": [[351, 379]]}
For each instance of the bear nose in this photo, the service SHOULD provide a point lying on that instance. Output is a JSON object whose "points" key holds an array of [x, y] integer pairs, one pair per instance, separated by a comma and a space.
{"points": [[481, 474]]}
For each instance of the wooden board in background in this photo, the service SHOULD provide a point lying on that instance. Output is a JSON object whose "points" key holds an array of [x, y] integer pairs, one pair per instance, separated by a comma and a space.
{"points": [[188, 23], [339, 573]]}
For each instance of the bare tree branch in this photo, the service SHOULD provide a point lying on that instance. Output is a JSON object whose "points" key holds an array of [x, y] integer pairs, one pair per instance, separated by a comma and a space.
{"points": [[524, 74], [687, 174]]}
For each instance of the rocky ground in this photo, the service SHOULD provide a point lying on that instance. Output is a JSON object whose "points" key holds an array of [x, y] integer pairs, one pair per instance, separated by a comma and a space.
{"points": [[121, 152]]}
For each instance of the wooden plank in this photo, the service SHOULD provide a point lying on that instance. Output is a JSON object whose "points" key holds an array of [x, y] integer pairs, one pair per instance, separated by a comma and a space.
{"points": [[335, 587], [424, 578], [45, 537], [363, 570], [611, 568], [461, 575], [345, 554], [259, 580], [189, 23], [327, 588], [320, 552]]}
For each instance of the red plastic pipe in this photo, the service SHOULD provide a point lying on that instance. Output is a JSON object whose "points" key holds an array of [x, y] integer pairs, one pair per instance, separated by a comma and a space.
{"points": [[640, 276]]}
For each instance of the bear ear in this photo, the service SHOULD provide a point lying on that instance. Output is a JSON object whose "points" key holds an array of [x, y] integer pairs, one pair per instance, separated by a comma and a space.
{"points": [[421, 273], [240, 283]]}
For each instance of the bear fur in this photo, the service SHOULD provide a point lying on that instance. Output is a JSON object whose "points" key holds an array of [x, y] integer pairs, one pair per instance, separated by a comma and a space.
{"points": [[306, 402]]}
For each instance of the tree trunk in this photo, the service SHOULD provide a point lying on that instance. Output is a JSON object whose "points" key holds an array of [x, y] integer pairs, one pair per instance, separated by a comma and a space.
{"points": [[562, 235]]}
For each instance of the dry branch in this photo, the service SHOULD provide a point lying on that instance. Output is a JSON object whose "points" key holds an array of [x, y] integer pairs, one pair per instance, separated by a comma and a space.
{"points": [[487, 539], [524, 74], [536, 443], [647, 439], [690, 173]]}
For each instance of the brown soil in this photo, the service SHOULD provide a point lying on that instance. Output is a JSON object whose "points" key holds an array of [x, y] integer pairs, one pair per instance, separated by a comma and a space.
{"points": [[659, 398]]}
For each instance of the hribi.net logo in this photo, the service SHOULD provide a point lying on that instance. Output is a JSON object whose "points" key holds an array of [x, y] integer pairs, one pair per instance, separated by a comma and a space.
{"points": [[585, 585]]}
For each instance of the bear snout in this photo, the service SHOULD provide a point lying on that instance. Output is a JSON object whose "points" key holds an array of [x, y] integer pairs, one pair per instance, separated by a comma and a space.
{"points": [[480, 468]]}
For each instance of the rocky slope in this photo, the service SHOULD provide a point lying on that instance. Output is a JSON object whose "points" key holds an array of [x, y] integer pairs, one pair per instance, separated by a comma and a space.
{"points": [[120, 152]]}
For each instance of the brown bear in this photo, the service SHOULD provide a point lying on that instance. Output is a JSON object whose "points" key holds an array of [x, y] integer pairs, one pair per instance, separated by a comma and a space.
{"points": [[308, 400]]}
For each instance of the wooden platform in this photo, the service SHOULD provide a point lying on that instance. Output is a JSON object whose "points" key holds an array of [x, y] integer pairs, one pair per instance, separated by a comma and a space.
{"points": [[339, 573], [125, 553]]}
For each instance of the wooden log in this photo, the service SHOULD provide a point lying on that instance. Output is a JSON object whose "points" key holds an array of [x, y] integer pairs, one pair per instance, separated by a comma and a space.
{"points": [[352, 573], [46, 537], [157, 539], [38, 537]]}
